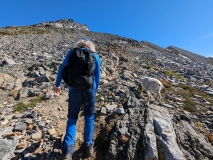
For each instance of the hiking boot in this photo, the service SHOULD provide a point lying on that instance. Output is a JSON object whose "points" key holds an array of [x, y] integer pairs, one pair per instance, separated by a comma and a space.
{"points": [[89, 149], [68, 152], [67, 156]]}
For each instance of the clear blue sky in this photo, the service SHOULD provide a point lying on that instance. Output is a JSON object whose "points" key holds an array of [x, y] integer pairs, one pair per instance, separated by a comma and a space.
{"points": [[187, 24]]}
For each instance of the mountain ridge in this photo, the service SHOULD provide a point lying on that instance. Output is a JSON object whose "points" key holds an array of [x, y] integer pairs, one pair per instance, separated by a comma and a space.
{"points": [[71, 24]]}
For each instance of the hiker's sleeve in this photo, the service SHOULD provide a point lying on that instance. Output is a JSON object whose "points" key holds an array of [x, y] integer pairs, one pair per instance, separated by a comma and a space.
{"points": [[97, 71], [59, 74]]}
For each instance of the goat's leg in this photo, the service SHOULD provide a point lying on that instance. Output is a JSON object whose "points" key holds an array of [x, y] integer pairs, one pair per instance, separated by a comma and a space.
{"points": [[158, 97]]}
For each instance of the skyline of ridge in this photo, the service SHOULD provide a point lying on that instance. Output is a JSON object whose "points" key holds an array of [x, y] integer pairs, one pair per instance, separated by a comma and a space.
{"points": [[184, 24]]}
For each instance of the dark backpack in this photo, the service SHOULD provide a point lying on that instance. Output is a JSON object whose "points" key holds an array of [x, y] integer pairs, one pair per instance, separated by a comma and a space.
{"points": [[79, 73]]}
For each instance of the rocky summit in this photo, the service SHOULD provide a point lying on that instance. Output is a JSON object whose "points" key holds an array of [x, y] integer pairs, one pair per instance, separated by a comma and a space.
{"points": [[128, 125]]}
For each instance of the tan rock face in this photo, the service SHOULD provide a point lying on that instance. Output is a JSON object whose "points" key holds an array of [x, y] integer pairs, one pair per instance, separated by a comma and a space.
{"points": [[6, 81], [51, 131], [36, 136], [21, 145], [30, 127], [15, 91]]}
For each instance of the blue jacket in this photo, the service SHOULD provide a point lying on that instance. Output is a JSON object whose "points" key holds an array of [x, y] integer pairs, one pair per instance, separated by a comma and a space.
{"points": [[96, 75]]}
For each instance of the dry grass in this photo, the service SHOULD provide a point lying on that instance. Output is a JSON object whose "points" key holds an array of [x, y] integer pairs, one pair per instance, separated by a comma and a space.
{"points": [[187, 92], [207, 133], [169, 73], [22, 30], [21, 106], [167, 84]]}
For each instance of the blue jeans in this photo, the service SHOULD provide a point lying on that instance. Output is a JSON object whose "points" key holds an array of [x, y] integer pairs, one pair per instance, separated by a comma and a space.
{"points": [[76, 99]]}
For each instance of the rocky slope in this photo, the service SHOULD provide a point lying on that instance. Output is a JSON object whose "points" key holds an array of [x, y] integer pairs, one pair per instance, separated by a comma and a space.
{"points": [[190, 55], [127, 126]]}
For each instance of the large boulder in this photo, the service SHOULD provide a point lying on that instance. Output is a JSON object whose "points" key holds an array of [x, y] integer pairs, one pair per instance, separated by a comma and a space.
{"points": [[193, 142], [7, 148], [168, 148]]}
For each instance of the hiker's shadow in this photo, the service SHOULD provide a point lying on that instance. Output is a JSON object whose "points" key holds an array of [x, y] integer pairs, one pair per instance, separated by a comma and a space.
{"points": [[81, 153]]}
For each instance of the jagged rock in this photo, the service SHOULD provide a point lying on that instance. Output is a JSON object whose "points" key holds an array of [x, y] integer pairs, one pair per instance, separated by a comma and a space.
{"points": [[103, 110], [23, 93], [192, 142], [132, 102], [119, 110], [7, 147], [5, 131], [20, 127], [110, 107], [190, 72], [21, 145], [36, 136], [51, 131], [64, 23], [4, 121], [151, 145], [211, 108], [27, 120], [15, 91], [168, 148], [48, 96], [6, 82], [133, 127], [7, 61]]}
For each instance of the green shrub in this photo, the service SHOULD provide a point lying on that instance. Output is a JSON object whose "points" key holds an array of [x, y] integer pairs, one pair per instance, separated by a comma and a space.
{"points": [[190, 105], [207, 133], [169, 73], [148, 60], [98, 97], [21, 106], [155, 68], [139, 89], [187, 92], [147, 66], [167, 84]]}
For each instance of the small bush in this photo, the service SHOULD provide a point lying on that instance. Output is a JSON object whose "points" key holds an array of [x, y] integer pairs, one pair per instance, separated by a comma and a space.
{"points": [[207, 133], [155, 68], [98, 97], [201, 83], [167, 84], [21, 106], [190, 105], [139, 89], [187, 92], [179, 77], [148, 60], [147, 66], [169, 73]]}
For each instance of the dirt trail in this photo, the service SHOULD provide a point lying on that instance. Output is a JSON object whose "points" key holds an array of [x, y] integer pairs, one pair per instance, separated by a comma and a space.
{"points": [[57, 108]]}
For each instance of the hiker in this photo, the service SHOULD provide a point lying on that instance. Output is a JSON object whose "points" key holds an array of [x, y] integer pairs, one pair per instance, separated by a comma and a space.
{"points": [[78, 97]]}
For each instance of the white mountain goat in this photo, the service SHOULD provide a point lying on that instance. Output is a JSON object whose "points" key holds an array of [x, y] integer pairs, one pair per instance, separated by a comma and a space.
{"points": [[153, 85]]}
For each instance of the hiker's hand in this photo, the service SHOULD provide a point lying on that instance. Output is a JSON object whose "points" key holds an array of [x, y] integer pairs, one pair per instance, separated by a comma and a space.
{"points": [[57, 91]]}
